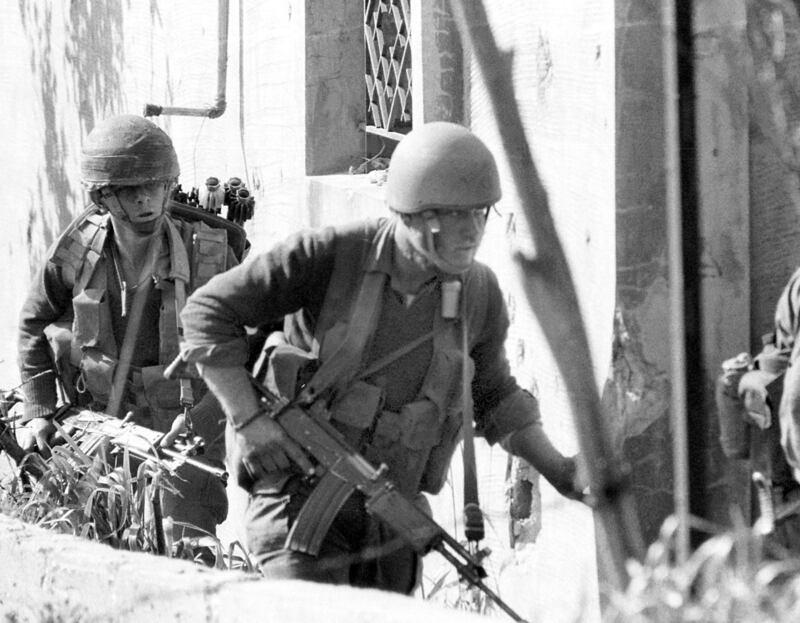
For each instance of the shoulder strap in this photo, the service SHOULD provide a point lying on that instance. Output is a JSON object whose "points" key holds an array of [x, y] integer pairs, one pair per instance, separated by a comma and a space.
{"points": [[80, 246], [362, 322], [396, 354]]}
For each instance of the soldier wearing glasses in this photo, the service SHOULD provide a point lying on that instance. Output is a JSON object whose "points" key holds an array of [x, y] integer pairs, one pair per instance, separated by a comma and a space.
{"points": [[417, 315]]}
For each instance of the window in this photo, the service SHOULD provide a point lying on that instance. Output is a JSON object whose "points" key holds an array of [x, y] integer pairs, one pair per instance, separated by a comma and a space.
{"points": [[387, 69]]}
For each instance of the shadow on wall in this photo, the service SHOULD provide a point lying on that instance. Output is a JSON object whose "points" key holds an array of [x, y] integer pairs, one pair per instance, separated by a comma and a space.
{"points": [[90, 65]]}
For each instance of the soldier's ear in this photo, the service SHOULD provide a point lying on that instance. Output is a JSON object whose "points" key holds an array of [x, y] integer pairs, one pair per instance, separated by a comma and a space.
{"points": [[96, 197], [406, 218]]}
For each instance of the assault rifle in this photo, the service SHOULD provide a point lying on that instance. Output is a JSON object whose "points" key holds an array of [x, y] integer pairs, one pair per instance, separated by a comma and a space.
{"points": [[345, 471], [93, 428]]}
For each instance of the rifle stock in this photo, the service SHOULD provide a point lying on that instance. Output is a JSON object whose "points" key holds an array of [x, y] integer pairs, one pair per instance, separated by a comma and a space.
{"points": [[346, 471]]}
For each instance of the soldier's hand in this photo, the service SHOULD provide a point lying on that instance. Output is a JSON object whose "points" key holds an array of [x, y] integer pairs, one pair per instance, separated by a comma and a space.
{"points": [[264, 448], [178, 428], [37, 434], [580, 483]]}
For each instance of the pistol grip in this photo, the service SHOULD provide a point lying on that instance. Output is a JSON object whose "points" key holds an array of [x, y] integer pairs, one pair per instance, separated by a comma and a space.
{"points": [[318, 513]]}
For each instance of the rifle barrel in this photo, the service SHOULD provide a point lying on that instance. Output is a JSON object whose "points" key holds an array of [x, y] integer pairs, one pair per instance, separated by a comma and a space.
{"points": [[470, 573], [214, 471]]}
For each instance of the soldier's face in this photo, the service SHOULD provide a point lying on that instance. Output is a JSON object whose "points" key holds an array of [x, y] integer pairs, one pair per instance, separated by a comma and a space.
{"points": [[143, 204], [459, 234]]}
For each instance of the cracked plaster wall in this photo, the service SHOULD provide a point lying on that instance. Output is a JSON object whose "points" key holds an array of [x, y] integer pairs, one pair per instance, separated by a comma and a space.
{"points": [[638, 392]]}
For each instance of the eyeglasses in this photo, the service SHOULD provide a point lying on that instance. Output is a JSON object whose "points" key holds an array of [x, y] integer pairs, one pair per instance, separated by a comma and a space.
{"points": [[458, 214]]}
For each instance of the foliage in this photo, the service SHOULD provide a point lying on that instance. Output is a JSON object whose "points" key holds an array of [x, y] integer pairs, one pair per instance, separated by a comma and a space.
{"points": [[735, 576], [108, 497]]}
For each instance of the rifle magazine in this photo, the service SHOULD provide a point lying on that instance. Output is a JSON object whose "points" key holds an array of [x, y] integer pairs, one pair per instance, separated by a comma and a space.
{"points": [[317, 514]]}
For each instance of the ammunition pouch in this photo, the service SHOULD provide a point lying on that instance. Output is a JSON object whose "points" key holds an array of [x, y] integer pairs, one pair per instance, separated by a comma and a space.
{"points": [[97, 375], [403, 441], [66, 357], [289, 368], [748, 395]]}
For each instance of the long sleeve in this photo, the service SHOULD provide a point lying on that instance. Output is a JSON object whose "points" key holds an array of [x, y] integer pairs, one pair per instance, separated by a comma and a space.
{"points": [[291, 276], [48, 300], [500, 408]]}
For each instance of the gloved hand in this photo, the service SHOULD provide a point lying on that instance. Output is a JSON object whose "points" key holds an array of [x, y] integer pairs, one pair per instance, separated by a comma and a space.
{"points": [[38, 434]]}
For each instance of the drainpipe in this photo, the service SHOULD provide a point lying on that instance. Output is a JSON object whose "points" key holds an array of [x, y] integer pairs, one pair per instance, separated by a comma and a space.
{"points": [[154, 110], [672, 165], [697, 418]]}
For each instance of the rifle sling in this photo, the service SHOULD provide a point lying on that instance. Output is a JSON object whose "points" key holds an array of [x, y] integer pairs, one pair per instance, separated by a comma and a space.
{"points": [[473, 517]]}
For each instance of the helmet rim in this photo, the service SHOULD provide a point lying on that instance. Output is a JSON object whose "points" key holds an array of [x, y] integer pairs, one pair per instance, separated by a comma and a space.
{"points": [[127, 150], [441, 164]]}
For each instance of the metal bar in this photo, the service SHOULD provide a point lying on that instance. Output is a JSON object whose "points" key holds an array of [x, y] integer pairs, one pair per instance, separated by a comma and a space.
{"points": [[219, 106], [677, 326]]}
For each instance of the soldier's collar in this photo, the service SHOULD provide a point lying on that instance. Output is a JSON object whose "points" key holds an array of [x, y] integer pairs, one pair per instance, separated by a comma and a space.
{"points": [[179, 258]]}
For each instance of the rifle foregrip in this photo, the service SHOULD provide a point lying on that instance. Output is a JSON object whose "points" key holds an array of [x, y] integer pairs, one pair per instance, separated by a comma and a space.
{"points": [[317, 514]]}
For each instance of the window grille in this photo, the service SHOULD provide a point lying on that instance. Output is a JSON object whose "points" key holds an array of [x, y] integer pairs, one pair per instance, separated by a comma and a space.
{"points": [[388, 67]]}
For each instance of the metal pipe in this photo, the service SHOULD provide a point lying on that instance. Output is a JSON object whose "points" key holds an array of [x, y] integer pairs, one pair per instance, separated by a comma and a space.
{"points": [[680, 452], [154, 110]]}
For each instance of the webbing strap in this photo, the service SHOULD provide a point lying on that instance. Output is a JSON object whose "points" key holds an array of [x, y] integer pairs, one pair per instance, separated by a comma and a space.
{"points": [[187, 395], [92, 251], [145, 281], [347, 357], [473, 517], [396, 354]]}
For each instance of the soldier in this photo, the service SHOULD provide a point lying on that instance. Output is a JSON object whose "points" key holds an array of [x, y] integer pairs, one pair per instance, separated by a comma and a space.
{"points": [[386, 292], [125, 248], [758, 400], [787, 327]]}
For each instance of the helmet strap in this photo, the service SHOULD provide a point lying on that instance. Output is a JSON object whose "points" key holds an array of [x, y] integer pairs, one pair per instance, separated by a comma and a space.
{"points": [[430, 229], [109, 200]]}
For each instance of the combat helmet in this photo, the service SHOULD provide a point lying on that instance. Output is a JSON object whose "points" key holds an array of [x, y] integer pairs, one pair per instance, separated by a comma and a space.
{"points": [[127, 150], [441, 164]]}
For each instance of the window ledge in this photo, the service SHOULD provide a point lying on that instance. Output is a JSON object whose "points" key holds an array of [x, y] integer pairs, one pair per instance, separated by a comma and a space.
{"points": [[333, 199]]}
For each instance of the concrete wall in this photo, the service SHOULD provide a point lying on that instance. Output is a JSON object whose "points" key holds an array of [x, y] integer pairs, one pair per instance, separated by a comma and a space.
{"points": [[50, 577], [637, 396], [774, 189]]}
